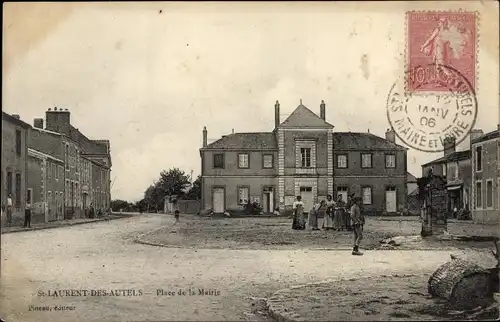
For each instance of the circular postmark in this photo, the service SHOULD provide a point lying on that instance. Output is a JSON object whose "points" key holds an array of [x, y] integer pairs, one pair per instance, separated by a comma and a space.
{"points": [[423, 120]]}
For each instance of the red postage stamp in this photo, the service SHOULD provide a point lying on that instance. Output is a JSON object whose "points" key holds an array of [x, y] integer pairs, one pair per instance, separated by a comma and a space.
{"points": [[436, 39]]}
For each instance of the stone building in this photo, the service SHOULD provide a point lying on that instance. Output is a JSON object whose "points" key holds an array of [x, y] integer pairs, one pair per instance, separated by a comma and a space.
{"points": [[486, 177], [302, 156], [82, 157], [14, 165], [45, 186]]}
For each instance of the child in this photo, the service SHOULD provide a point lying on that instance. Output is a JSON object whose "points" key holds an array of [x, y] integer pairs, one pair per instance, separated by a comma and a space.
{"points": [[177, 215]]}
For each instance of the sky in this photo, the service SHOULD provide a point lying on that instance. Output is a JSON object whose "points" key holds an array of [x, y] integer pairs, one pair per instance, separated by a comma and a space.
{"points": [[149, 77]]}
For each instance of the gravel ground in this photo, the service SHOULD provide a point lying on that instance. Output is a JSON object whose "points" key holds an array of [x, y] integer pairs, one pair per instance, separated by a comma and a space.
{"points": [[104, 256], [276, 233], [382, 298]]}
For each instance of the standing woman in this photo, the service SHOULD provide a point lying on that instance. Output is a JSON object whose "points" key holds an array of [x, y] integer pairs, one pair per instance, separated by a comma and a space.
{"points": [[298, 214], [350, 203], [340, 213], [329, 214]]}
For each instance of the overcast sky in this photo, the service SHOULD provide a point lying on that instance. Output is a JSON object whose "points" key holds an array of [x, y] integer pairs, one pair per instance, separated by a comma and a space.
{"points": [[149, 81]]}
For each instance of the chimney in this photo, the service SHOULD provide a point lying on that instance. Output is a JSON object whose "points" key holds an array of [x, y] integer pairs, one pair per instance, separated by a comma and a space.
{"points": [[204, 136], [232, 132], [58, 120], [38, 123], [16, 116], [276, 114], [474, 134], [390, 135], [449, 144], [322, 111]]}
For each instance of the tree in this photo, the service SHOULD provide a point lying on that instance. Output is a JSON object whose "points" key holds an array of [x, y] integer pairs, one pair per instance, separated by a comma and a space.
{"points": [[173, 182], [118, 205], [195, 191]]}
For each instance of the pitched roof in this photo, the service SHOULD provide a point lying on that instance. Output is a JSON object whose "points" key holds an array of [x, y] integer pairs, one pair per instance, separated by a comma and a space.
{"points": [[410, 178], [454, 156], [362, 141], [15, 120], [242, 141], [305, 118], [488, 136]]}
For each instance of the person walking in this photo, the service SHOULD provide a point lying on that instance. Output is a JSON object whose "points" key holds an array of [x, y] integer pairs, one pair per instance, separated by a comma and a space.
{"points": [[347, 218], [9, 208], [27, 215], [328, 219], [298, 214], [357, 225], [314, 214]]}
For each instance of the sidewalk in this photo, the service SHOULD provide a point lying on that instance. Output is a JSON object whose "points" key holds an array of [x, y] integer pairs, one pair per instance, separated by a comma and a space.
{"points": [[62, 223]]}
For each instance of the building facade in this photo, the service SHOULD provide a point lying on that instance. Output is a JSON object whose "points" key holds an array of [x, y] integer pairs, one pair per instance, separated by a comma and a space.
{"points": [[45, 186], [14, 165], [299, 157], [81, 158], [486, 177]]}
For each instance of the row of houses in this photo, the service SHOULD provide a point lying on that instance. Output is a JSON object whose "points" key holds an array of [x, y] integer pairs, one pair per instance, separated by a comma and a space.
{"points": [[303, 155], [472, 176], [56, 169]]}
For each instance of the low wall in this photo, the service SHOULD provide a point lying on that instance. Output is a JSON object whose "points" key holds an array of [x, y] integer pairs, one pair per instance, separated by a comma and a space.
{"points": [[189, 206]]}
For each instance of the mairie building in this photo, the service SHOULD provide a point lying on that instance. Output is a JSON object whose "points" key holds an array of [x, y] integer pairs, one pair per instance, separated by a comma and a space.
{"points": [[303, 156]]}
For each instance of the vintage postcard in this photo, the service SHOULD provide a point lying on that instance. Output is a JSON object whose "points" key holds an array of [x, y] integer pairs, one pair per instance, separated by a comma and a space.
{"points": [[250, 161]]}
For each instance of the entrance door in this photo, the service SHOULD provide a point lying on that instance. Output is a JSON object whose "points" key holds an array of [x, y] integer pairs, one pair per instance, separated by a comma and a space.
{"points": [[390, 199], [268, 202], [218, 200], [307, 198]]}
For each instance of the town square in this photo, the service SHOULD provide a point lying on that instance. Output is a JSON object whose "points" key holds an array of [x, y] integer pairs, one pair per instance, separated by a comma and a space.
{"points": [[170, 161]]}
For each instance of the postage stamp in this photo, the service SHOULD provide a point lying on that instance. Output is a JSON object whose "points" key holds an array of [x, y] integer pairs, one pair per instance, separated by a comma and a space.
{"points": [[424, 121], [440, 38]]}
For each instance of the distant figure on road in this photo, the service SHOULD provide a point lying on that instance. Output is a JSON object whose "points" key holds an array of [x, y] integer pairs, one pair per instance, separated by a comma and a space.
{"points": [[27, 214], [298, 214], [357, 223], [91, 211], [9, 208], [177, 215]]}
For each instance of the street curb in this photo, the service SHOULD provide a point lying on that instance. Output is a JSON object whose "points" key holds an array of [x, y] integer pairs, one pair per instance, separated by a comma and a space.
{"points": [[64, 225], [139, 239], [280, 313]]}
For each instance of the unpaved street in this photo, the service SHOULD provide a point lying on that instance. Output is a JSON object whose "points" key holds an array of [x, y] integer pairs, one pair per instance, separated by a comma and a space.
{"points": [[103, 256]]}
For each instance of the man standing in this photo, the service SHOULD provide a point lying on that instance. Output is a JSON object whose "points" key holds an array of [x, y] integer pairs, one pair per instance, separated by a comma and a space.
{"points": [[357, 223], [27, 215], [9, 208]]}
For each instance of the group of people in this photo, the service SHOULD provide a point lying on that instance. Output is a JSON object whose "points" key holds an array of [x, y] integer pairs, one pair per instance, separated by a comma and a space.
{"points": [[337, 215]]}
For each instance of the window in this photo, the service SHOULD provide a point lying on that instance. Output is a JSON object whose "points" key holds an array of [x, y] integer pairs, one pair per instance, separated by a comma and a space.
{"points": [[66, 157], [60, 173], [479, 200], [54, 171], [267, 161], [49, 170], [489, 194], [29, 196], [367, 195], [243, 193], [444, 169], [219, 161], [9, 183], [342, 191], [243, 160], [305, 157], [390, 160], [342, 161], [366, 160], [18, 189], [18, 142], [479, 158]]}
